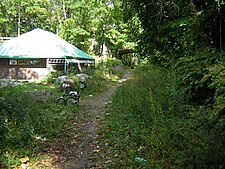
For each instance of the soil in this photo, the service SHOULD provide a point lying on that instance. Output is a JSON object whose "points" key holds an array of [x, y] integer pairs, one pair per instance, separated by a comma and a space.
{"points": [[80, 149]]}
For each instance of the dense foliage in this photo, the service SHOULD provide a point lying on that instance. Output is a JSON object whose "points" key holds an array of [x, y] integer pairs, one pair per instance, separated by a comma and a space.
{"points": [[187, 37], [147, 125], [169, 33], [180, 23], [88, 24], [28, 114], [30, 118]]}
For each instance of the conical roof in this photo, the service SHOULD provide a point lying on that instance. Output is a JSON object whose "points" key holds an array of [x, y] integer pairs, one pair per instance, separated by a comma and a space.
{"points": [[40, 44]]}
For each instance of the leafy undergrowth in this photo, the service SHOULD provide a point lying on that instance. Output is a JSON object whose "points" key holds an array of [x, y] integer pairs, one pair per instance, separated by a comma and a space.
{"points": [[30, 119], [147, 125]]}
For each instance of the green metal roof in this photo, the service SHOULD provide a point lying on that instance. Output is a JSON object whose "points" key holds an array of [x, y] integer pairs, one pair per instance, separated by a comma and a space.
{"points": [[40, 44]]}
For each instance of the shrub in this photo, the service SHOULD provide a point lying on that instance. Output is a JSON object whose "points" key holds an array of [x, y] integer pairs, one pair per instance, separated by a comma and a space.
{"points": [[148, 126], [193, 77], [26, 112]]}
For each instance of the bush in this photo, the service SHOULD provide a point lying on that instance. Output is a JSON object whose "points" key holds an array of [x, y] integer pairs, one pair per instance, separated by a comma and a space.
{"points": [[148, 126], [26, 112], [193, 77]]}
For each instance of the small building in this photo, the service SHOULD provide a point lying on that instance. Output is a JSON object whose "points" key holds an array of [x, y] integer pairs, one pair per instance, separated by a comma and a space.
{"points": [[31, 56]]}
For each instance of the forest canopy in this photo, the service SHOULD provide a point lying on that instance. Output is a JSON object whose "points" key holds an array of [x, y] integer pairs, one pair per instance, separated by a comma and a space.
{"points": [[86, 24], [174, 104], [186, 37]]}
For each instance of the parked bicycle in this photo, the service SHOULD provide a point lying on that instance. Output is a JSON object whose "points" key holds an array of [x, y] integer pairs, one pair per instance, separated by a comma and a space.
{"points": [[70, 95]]}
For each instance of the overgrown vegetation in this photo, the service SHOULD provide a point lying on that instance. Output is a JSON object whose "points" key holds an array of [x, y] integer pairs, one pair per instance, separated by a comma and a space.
{"points": [[148, 125], [200, 78], [29, 117], [186, 37], [86, 24], [163, 120], [28, 114]]}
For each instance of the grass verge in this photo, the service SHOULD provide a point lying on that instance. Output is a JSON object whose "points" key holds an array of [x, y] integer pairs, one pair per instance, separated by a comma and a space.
{"points": [[30, 119], [147, 125]]}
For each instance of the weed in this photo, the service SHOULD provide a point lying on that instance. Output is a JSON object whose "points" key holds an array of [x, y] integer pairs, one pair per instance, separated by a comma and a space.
{"points": [[148, 120], [29, 116]]}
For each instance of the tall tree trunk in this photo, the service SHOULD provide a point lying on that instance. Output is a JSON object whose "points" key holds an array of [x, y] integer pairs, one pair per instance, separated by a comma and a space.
{"points": [[221, 48], [19, 19], [64, 9], [18, 25]]}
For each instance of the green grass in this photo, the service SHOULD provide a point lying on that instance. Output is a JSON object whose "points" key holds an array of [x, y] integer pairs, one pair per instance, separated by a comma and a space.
{"points": [[147, 125], [28, 112]]}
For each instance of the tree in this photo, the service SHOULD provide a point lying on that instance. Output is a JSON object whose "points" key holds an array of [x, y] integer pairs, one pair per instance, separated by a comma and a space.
{"points": [[19, 16], [81, 22]]}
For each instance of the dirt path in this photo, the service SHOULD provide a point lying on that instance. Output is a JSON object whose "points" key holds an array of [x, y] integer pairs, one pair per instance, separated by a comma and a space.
{"points": [[80, 150]]}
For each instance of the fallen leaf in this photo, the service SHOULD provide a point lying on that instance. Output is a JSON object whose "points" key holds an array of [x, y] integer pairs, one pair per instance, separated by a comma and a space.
{"points": [[96, 151], [24, 160]]}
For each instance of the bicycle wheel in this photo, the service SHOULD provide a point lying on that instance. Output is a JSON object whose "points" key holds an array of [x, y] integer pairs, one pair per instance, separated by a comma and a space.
{"points": [[72, 101], [61, 101]]}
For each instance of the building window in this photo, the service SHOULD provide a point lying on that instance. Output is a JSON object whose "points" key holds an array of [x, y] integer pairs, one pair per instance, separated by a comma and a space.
{"points": [[30, 62]]}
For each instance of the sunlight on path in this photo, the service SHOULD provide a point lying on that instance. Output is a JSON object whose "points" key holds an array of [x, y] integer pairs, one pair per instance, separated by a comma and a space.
{"points": [[82, 152]]}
